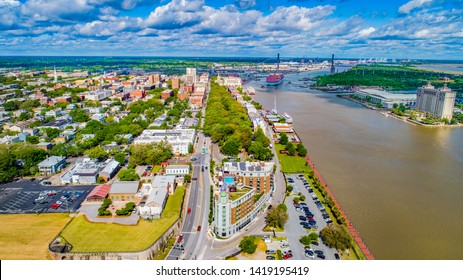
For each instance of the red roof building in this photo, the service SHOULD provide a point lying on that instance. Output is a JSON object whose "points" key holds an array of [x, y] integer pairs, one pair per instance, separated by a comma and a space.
{"points": [[98, 193]]}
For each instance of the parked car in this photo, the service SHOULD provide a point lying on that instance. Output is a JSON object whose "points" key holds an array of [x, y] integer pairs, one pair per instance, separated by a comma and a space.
{"points": [[180, 238], [199, 228], [336, 256], [309, 254], [55, 206], [270, 258], [270, 252]]}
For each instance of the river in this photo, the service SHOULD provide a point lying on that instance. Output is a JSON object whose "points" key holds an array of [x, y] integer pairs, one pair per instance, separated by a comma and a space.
{"points": [[400, 184]]}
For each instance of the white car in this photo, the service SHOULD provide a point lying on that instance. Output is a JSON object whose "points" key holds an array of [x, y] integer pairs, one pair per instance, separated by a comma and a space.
{"points": [[59, 202]]}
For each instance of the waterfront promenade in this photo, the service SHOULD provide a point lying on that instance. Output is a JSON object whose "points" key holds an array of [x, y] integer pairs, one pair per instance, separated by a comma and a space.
{"points": [[350, 227]]}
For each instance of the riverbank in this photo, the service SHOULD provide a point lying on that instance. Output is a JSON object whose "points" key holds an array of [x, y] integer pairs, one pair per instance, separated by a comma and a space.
{"points": [[353, 232], [388, 113], [304, 165]]}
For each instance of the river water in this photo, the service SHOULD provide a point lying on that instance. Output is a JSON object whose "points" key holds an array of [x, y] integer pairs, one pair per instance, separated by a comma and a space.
{"points": [[400, 184]]}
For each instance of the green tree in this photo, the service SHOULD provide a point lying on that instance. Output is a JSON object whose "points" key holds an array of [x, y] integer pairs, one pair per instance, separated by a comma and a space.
{"points": [[301, 150], [336, 236], [120, 157], [25, 116], [29, 104], [248, 245], [290, 149], [79, 115], [97, 152], [276, 218], [8, 168], [10, 106], [128, 175], [52, 132], [283, 138], [32, 139], [289, 188], [153, 153], [231, 146]]}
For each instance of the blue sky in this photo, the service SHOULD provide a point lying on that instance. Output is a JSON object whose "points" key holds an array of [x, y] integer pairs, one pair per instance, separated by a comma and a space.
{"points": [[431, 29]]}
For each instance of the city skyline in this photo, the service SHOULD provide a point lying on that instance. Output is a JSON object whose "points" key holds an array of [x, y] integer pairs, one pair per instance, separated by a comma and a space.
{"points": [[419, 29]]}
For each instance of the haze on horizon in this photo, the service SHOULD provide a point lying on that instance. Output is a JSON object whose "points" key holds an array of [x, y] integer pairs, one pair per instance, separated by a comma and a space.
{"points": [[418, 29]]}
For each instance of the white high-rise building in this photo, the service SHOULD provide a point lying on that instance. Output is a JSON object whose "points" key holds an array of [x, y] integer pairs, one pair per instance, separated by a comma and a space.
{"points": [[439, 102], [190, 75]]}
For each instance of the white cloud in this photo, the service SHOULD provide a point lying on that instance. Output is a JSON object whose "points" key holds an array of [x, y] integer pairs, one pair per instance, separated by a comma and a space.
{"points": [[296, 18], [413, 4], [367, 31], [176, 14], [245, 4], [9, 3]]}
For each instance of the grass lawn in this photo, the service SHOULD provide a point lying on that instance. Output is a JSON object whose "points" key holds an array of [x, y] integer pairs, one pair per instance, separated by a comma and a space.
{"points": [[156, 169], [85, 236], [291, 164], [239, 193], [26, 236]]}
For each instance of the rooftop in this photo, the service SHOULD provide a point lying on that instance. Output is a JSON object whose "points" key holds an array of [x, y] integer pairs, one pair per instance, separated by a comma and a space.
{"points": [[51, 161], [387, 95], [161, 181], [124, 187]]}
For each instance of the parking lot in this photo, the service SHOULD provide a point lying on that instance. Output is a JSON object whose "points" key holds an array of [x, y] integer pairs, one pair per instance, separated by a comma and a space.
{"points": [[25, 196], [304, 219]]}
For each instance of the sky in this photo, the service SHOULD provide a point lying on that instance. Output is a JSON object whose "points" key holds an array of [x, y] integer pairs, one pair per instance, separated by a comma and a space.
{"points": [[415, 29]]}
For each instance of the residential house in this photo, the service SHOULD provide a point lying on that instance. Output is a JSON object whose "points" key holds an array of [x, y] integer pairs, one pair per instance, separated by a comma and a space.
{"points": [[52, 165]]}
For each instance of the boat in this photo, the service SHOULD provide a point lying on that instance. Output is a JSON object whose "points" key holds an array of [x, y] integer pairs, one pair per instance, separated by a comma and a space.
{"points": [[250, 90], [288, 118], [274, 79], [277, 78]]}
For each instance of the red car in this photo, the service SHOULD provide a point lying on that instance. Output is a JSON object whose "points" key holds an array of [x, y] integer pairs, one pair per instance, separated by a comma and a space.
{"points": [[55, 206], [287, 256], [199, 228], [189, 210], [180, 238]]}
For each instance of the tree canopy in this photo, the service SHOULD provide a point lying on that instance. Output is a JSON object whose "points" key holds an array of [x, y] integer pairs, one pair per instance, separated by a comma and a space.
{"points": [[153, 153], [336, 236], [225, 119]]}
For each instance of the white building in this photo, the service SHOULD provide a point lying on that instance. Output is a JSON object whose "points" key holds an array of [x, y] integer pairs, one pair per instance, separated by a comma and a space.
{"points": [[98, 95], [190, 76], [233, 214], [387, 99], [165, 181], [439, 102], [154, 204], [177, 169], [180, 139]]}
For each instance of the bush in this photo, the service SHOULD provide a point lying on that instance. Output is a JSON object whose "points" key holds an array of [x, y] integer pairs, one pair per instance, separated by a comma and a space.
{"points": [[103, 210], [279, 255], [248, 244], [127, 210]]}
